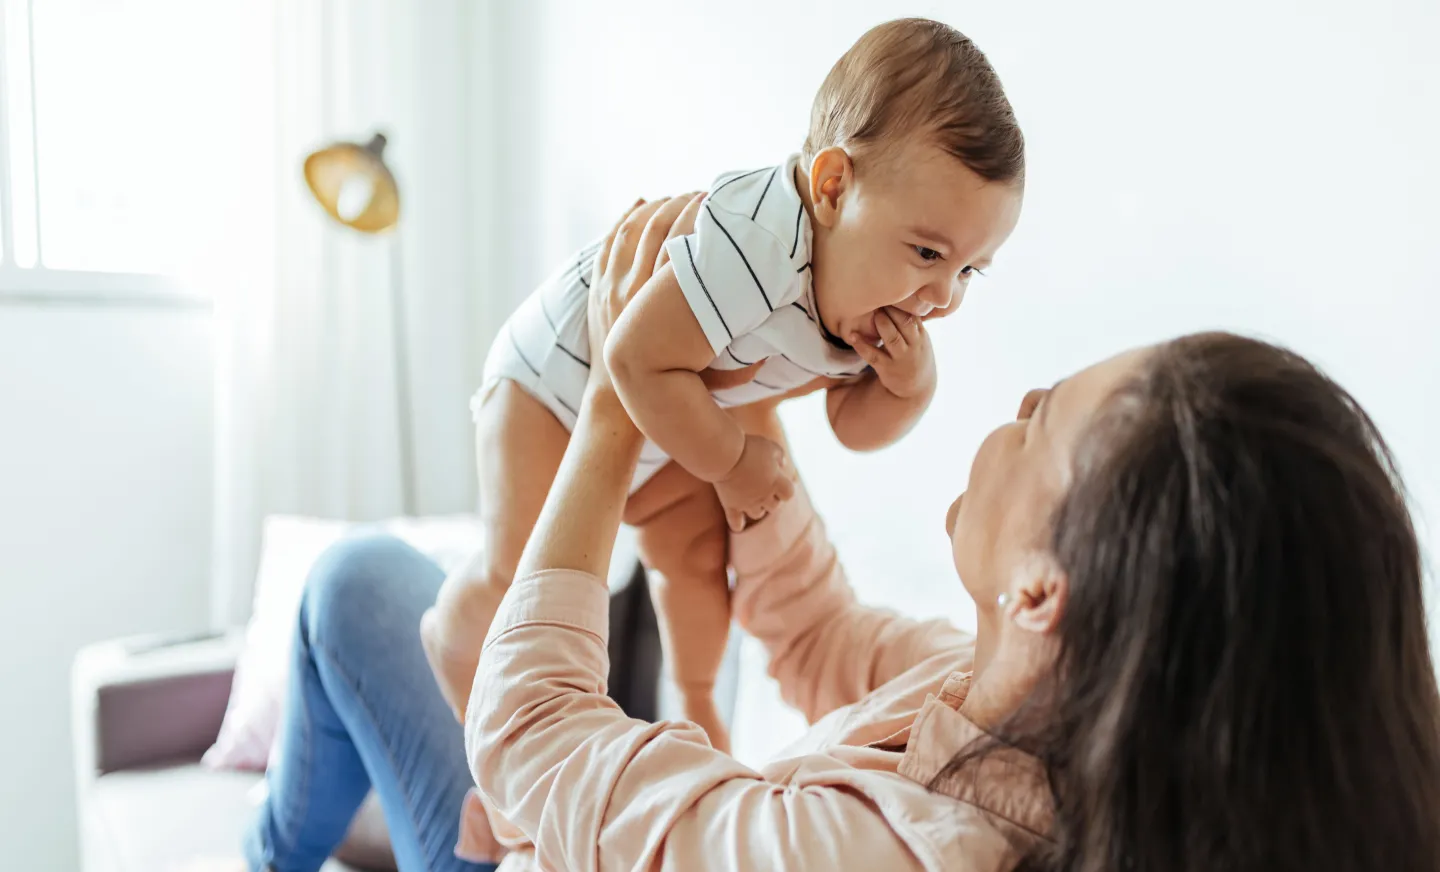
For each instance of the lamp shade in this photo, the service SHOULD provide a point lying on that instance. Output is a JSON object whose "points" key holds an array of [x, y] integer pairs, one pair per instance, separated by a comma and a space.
{"points": [[353, 184]]}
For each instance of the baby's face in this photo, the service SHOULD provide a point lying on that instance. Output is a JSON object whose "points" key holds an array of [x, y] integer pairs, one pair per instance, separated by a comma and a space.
{"points": [[909, 234]]}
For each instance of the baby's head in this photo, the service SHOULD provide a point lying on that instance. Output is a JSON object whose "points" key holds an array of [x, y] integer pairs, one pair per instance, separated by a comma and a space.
{"points": [[916, 174]]}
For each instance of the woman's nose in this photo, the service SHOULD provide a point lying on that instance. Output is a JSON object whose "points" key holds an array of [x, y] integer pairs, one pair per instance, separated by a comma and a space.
{"points": [[952, 514], [1030, 402]]}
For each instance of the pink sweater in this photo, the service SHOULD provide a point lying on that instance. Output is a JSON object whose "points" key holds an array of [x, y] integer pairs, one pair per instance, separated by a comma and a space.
{"points": [[569, 782]]}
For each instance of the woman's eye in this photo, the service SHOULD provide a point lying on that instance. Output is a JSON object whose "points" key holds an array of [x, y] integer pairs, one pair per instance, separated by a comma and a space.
{"points": [[926, 254], [967, 271]]}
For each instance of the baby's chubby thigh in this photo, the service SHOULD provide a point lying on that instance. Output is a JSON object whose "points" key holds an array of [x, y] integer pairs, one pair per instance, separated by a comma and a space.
{"points": [[680, 525]]}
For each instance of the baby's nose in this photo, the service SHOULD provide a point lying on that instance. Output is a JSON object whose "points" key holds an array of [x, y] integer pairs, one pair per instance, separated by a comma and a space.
{"points": [[935, 297]]}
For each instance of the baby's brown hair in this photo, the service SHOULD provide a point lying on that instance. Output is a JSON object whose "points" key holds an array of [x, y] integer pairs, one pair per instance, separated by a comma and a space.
{"points": [[917, 77]]}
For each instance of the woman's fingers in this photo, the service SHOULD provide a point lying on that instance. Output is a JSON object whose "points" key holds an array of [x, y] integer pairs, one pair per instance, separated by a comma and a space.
{"points": [[683, 226], [602, 259], [627, 239], [657, 230], [637, 241], [640, 234], [607, 291]]}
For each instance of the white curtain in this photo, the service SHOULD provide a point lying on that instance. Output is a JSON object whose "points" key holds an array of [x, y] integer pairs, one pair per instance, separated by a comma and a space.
{"points": [[307, 419]]}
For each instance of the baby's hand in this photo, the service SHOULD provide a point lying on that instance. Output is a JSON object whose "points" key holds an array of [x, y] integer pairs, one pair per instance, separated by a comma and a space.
{"points": [[905, 361], [761, 480]]}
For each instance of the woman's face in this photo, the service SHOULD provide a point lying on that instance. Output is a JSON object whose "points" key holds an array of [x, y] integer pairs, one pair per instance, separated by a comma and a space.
{"points": [[1019, 474]]}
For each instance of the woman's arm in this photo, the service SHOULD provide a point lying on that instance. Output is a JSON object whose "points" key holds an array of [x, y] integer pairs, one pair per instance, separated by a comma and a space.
{"points": [[826, 650], [589, 788]]}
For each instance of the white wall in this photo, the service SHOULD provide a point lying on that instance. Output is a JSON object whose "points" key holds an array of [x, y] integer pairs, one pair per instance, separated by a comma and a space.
{"points": [[1267, 167], [105, 424]]}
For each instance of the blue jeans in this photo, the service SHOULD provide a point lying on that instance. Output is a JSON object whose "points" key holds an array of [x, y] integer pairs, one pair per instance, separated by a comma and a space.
{"points": [[363, 711]]}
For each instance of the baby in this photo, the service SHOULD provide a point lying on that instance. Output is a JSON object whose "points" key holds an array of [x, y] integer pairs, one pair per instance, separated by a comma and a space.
{"points": [[818, 272]]}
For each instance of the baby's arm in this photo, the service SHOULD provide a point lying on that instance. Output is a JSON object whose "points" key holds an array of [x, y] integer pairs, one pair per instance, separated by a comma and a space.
{"points": [[655, 354], [882, 406], [865, 416]]}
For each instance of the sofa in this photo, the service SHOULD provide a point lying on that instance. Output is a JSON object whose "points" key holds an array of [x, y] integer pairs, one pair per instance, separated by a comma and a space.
{"points": [[145, 710]]}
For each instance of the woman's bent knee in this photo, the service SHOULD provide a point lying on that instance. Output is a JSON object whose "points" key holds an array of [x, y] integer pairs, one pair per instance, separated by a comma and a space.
{"points": [[365, 583]]}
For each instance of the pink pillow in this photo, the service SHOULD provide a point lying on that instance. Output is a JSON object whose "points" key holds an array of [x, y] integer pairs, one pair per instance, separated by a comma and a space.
{"points": [[289, 548]]}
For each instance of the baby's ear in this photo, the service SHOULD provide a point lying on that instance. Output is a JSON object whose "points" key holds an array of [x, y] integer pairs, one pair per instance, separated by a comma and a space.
{"points": [[831, 175]]}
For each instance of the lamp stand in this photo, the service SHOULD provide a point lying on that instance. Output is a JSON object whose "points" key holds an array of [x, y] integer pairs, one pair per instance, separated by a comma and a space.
{"points": [[404, 407]]}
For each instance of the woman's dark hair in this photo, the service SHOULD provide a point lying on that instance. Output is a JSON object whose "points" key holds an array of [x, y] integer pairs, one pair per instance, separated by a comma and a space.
{"points": [[1244, 679]]}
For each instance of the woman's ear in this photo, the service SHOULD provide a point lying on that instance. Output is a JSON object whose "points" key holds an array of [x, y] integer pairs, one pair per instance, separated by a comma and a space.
{"points": [[1040, 592], [831, 175]]}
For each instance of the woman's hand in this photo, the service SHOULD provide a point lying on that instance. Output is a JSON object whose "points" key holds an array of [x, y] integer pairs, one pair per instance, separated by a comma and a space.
{"points": [[633, 250]]}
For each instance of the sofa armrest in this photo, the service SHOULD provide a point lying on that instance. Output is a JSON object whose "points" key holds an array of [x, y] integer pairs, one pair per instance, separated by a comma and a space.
{"points": [[149, 699]]}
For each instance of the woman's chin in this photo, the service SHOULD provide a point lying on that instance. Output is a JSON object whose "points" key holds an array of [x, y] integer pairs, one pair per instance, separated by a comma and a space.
{"points": [[961, 571], [952, 515], [967, 559]]}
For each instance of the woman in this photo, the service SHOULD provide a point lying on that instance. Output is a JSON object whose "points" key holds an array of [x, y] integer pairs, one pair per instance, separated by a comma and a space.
{"points": [[1201, 646], [363, 710]]}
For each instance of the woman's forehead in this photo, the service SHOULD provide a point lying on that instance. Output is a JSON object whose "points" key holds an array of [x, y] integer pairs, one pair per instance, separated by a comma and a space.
{"points": [[1075, 399]]}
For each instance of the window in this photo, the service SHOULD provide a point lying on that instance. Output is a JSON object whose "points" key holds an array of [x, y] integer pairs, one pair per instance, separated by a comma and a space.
{"points": [[117, 124]]}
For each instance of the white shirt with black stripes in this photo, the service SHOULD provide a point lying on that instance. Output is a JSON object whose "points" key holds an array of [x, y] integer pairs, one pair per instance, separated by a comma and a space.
{"points": [[745, 272]]}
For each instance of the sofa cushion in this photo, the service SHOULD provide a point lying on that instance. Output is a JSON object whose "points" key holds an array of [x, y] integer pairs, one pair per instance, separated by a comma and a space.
{"points": [[290, 545], [164, 819]]}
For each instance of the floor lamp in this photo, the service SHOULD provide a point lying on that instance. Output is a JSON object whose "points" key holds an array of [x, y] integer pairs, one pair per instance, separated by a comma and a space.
{"points": [[355, 188]]}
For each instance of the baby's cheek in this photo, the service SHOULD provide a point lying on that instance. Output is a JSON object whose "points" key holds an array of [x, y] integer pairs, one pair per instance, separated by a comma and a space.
{"points": [[881, 290]]}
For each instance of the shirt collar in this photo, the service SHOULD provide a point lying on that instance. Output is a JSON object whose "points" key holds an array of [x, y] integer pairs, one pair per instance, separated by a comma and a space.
{"points": [[1005, 781]]}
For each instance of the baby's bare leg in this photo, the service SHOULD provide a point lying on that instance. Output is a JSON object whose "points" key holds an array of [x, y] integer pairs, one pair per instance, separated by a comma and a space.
{"points": [[683, 539], [518, 448]]}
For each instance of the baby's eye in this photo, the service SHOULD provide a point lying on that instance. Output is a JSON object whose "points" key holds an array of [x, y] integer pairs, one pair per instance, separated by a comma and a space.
{"points": [[926, 253], [967, 271]]}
